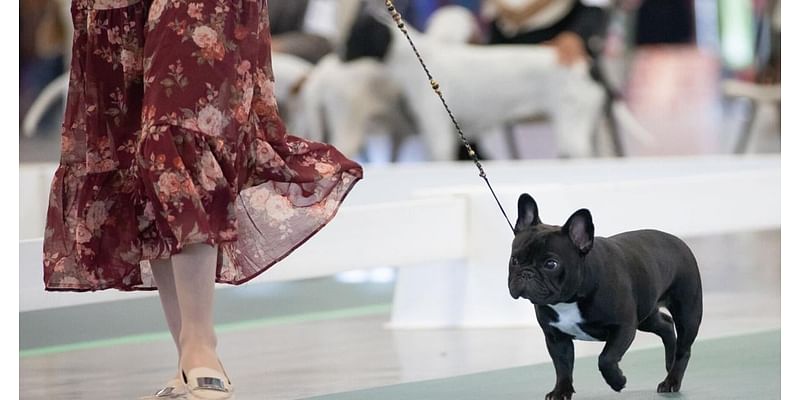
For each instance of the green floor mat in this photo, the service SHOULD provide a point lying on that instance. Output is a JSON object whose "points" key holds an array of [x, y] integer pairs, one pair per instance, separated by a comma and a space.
{"points": [[232, 305], [741, 367]]}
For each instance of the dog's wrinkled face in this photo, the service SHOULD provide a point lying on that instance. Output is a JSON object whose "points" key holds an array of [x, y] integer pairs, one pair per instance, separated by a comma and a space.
{"points": [[547, 261]]}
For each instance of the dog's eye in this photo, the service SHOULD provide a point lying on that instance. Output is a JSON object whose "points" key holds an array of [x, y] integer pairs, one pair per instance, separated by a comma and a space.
{"points": [[550, 264]]}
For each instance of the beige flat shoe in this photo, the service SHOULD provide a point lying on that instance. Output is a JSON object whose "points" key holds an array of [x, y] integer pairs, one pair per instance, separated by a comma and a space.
{"points": [[207, 384], [174, 389]]}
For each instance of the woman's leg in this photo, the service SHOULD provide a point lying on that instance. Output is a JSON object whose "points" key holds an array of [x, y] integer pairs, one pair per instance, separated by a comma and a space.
{"points": [[165, 280], [194, 271]]}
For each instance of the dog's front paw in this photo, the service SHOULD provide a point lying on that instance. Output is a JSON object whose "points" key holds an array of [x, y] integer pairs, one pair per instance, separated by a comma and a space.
{"points": [[616, 380], [560, 392], [669, 385], [558, 396], [612, 374]]}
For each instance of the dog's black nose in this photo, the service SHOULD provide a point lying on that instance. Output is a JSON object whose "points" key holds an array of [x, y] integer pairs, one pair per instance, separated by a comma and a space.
{"points": [[527, 275]]}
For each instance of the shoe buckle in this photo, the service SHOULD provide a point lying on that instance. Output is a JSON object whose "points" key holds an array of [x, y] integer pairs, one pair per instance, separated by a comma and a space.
{"points": [[210, 383]]}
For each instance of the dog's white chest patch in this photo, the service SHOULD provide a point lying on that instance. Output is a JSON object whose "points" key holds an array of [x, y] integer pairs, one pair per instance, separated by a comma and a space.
{"points": [[569, 316]]}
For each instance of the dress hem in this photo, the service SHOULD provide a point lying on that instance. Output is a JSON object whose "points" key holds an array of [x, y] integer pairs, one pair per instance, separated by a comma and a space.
{"points": [[239, 282]]}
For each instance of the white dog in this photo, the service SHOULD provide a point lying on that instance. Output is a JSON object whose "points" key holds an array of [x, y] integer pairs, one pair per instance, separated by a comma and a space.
{"points": [[486, 87]]}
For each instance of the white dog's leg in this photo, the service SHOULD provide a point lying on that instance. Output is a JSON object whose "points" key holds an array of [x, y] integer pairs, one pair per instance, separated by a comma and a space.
{"points": [[348, 125], [436, 128], [324, 88], [290, 71], [576, 114], [311, 108]]}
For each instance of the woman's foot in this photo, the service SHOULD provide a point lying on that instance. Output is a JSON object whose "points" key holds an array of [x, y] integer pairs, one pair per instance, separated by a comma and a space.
{"points": [[197, 356], [207, 384], [203, 375]]}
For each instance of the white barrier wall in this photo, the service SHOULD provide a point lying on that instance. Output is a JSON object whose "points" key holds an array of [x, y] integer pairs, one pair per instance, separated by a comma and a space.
{"points": [[359, 237], [472, 292], [441, 227], [401, 182], [34, 188]]}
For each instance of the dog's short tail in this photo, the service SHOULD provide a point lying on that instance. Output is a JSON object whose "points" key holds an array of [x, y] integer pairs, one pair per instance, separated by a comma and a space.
{"points": [[618, 109]]}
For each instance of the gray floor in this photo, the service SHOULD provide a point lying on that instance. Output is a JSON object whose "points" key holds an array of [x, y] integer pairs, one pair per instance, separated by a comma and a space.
{"points": [[322, 337], [714, 373], [92, 325]]}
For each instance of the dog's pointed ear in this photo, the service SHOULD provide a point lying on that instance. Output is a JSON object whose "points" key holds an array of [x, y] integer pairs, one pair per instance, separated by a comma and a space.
{"points": [[527, 213], [580, 229]]}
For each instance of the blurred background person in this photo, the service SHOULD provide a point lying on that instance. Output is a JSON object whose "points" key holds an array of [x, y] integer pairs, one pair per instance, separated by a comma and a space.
{"points": [[574, 28], [652, 18]]}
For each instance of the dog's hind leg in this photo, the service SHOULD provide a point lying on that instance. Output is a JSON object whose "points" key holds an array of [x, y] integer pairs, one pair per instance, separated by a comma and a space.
{"points": [[686, 307], [402, 126], [574, 115], [662, 325], [397, 143], [438, 135]]}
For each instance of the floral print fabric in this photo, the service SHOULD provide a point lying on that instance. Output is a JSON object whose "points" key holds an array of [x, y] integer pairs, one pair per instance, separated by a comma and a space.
{"points": [[172, 136]]}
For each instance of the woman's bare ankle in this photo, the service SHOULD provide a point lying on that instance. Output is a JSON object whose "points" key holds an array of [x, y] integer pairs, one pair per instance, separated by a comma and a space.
{"points": [[195, 355]]}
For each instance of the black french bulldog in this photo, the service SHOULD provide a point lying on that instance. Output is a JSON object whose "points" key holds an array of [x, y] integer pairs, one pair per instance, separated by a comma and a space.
{"points": [[604, 289]]}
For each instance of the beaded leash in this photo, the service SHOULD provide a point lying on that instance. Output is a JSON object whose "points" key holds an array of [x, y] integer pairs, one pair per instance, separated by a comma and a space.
{"points": [[398, 19]]}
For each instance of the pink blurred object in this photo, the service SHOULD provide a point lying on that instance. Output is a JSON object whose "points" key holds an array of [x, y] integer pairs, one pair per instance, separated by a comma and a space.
{"points": [[674, 92]]}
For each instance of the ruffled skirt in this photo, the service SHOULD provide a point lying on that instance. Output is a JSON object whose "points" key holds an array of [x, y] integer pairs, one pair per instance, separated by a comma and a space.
{"points": [[172, 137]]}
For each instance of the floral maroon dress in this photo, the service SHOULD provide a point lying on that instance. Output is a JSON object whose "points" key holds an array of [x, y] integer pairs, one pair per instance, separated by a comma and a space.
{"points": [[172, 137]]}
